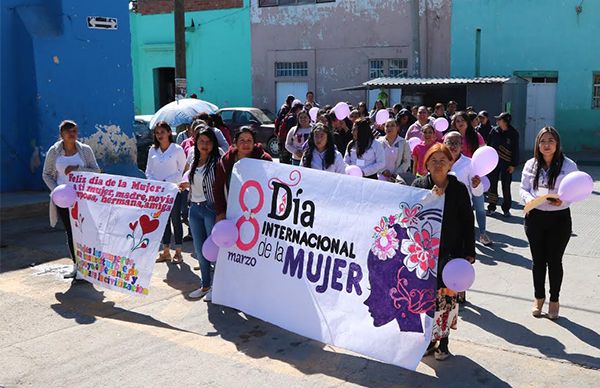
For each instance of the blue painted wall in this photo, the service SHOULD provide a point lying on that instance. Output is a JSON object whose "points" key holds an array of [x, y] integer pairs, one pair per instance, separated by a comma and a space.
{"points": [[534, 35], [53, 68]]}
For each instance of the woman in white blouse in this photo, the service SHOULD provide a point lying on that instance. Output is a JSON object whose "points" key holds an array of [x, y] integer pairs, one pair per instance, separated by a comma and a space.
{"points": [[320, 151], [166, 163], [548, 227], [65, 156], [397, 154], [363, 151], [297, 136]]}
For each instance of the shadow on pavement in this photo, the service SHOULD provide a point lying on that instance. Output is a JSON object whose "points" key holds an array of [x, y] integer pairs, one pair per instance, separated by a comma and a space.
{"points": [[83, 303], [520, 335], [181, 277], [584, 334], [462, 371], [492, 255], [259, 339]]}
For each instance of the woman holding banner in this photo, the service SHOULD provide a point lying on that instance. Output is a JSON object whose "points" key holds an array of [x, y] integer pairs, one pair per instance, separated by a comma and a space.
{"points": [[457, 239], [166, 163], [65, 156], [244, 146], [363, 151], [320, 151], [548, 227], [202, 201]]}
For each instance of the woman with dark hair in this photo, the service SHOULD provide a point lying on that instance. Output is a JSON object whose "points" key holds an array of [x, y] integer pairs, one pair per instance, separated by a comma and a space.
{"points": [[65, 156], [320, 152], [363, 151], [376, 108], [397, 154], [470, 138], [420, 150], [244, 146], [297, 136], [362, 109], [457, 239], [202, 202], [548, 227], [342, 131], [166, 163]]}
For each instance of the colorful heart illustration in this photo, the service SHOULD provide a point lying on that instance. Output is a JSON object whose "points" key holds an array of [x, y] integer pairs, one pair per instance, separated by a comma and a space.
{"points": [[147, 224], [75, 210], [133, 225]]}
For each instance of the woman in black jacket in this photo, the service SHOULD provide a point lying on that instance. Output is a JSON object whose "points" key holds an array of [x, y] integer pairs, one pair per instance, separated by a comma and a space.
{"points": [[457, 239]]}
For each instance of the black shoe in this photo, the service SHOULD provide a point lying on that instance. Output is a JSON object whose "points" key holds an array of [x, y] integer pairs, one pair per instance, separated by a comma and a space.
{"points": [[490, 212], [506, 214], [188, 238]]}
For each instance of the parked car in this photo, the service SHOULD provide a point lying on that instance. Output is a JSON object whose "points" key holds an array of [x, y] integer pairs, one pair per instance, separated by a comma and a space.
{"points": [[236, 117]]}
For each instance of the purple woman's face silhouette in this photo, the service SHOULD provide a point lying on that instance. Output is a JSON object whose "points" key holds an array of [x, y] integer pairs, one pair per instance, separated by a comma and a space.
{"points": [[391, 285]]}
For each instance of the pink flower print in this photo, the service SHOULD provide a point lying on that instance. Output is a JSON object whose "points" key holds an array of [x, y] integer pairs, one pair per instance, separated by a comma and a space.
{"points": [[421, 251], [408, 215], [385, 244]]}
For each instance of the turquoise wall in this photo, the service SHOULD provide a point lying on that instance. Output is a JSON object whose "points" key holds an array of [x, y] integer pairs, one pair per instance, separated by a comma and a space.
{"points": [[536, 35], [218, 55]]}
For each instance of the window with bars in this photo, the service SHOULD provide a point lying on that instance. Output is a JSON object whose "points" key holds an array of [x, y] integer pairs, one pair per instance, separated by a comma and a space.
{"points": [[596, 91], [291, 69], [276, 3], [397, 67]]}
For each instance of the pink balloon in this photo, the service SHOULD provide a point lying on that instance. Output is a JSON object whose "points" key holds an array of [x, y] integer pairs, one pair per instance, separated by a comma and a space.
{"points": [[210, 250], [382, 116], [485, 181], [64, 196], [354, 171], [225, 234], [575, 187], [313, 113], [484, 161], [458, 275], [412, 142], [440, 124], [341, 110]]}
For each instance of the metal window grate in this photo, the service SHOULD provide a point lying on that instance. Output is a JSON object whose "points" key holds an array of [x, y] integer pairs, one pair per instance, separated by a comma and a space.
{"points": [[376, 68], [399, 67], [596, 92], [291, 69]]}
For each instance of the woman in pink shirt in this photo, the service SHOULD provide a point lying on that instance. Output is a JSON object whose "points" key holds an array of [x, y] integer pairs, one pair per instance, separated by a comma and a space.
{"points": [[471, 139], [418, 154]]}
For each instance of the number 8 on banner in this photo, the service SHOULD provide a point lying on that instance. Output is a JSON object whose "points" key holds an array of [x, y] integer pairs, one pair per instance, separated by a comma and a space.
{"points": [[249, 214]]}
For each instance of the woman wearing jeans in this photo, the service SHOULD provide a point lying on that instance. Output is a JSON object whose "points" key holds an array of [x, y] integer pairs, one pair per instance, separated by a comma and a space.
{"points": [[202, 202], [166, 163], [62, 158], [548, 227]]}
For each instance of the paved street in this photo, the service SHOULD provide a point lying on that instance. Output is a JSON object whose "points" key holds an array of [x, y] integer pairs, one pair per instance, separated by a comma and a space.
{"points": [[53, 333]]}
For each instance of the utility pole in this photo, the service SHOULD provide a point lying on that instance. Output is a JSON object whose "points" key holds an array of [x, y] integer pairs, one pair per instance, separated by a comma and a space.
{"points": [[180, 56]]}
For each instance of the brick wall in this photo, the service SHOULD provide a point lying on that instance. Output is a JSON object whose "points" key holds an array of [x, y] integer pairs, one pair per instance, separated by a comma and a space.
{"points": [[149, 7]]}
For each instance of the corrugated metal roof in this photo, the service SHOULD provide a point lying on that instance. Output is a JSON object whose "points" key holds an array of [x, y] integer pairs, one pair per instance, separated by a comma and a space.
{"points": [[392, 81]]}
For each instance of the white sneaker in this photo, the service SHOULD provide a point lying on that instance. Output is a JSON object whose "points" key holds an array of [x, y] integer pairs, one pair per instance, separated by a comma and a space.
{"points": [[199, 293], [485, 240], [208, 297]]}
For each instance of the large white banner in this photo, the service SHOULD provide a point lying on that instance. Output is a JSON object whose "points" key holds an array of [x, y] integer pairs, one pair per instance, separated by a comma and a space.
{"points": [[343, 260], [117, 224]]}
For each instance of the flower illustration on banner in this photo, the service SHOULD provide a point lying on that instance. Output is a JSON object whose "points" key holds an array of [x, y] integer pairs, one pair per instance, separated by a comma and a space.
{"points": [[408, 215], [421, 250], [147, 225], [385, 242], [77, 216]]}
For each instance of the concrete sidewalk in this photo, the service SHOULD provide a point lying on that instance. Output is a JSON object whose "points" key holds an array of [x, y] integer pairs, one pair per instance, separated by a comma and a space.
{"points": [[55, 333]]}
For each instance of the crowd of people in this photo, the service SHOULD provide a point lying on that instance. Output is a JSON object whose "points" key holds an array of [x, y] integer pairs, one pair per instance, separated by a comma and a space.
{"points": [[206, 151]]}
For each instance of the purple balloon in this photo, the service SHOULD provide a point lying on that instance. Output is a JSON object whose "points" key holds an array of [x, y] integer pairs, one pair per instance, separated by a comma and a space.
{"points": [[484, 161], [353, 171], [576, 186], [341, 110], [210, 250], [412, 142], [440, 124], [458, 275], [313, 113], [225, 234], [485, 181], [382, 116], [64, 196]]}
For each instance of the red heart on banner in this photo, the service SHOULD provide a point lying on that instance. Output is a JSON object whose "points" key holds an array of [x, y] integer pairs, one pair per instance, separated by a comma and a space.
{"points": [[75, 210], [147, 224], [133, 225]]}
